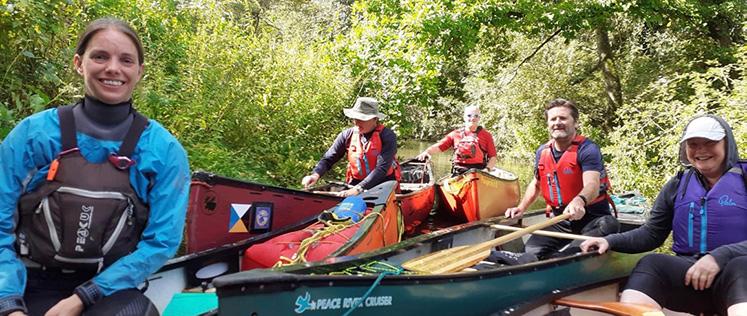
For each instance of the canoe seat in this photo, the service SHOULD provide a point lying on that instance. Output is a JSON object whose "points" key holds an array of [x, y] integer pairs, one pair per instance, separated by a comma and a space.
{"points": [[613, 308], [415, 173]]}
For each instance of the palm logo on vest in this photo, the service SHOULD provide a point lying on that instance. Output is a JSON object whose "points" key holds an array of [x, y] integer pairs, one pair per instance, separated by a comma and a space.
{"points": [[725, 200]]}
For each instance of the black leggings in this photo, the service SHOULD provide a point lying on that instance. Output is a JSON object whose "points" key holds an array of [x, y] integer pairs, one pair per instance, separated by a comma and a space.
{"points": [[547, 247], [662, 277], [44, 289]]}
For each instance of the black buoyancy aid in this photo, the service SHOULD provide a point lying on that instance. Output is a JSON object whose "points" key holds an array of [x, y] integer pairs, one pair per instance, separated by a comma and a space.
{"points": [[86, 215], [362, 158], [467, 150], [561, 181]]}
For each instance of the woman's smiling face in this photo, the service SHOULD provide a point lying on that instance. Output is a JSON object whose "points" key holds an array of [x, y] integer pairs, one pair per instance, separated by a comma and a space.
{"points": [[706, 155], [109, 66]]}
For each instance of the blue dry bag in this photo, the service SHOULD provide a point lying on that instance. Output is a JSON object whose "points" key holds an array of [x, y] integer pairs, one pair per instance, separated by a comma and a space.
{"points": [[352, 207]]}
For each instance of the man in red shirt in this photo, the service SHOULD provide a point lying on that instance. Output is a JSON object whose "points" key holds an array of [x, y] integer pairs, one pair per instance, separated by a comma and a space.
{"points": [[473, 145]]}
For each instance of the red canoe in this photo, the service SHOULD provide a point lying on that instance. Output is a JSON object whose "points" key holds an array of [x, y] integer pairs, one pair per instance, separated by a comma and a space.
{"points": [[381, 226], [223, 210]]}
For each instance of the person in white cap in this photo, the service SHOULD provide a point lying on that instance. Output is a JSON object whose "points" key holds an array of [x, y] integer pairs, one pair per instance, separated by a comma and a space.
{"points": [[705, 208], [370, 146], [473, 145]]}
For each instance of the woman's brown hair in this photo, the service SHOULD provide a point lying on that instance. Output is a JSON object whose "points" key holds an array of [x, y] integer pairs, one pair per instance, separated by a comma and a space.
{"points": [[105, 23]]}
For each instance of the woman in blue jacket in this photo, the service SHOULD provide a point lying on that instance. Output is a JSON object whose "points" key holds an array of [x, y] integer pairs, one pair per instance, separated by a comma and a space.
{"points": [[705, 207], [92, 195]]}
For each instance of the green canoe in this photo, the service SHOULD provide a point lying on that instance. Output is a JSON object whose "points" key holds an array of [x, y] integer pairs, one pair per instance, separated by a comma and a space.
{"points": [[341, 285]]}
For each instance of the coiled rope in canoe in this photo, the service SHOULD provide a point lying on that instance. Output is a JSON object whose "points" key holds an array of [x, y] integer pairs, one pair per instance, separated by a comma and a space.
{"points": [[331, 227]]}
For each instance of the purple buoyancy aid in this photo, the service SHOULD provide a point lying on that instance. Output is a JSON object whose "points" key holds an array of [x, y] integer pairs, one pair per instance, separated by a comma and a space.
{"points": [[705, 220]]}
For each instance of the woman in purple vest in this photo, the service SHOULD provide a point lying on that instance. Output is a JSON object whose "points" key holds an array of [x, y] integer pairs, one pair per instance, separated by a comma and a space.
{"points": [[705, 207]]}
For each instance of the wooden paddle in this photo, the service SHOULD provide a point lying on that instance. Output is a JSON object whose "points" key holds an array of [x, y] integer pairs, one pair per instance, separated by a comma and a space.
{"points": [[543, 232], [458, 258], [614, 308]]}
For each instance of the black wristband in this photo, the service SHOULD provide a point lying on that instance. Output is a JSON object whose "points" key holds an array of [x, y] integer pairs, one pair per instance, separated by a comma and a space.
{"points": [[583, 198], [89, 293], [12, 304]]}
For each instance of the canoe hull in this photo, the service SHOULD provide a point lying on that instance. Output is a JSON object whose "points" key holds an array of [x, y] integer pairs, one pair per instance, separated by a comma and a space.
{"points": [[380, 228], [477, 194], [416, 206], [508, 290], [223, 210], [472, 293], [418, 193]]}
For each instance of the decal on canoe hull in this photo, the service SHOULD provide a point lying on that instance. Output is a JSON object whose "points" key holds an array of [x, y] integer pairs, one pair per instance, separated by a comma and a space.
{"points": [[306, 303], [255, 217]]}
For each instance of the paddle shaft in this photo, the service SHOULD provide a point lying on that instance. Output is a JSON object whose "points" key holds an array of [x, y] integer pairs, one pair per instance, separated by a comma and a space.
{"points": [[458, 258], [330, 193], [544, 232], [490, 244]]}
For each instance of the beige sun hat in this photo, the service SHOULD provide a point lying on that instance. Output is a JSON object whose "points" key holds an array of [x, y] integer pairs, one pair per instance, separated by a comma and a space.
{"points": [[365, 109]]}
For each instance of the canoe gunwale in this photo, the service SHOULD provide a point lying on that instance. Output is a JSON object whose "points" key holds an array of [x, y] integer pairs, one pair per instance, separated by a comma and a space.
{"points": [[381, 204], [473, 175], [266, 281], [212, 179]]}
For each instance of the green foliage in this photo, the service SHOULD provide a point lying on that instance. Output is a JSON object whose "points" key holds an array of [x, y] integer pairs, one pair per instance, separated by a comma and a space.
{"points": [[248, 104], [248, 91], [254, 88], [645, 149], [35, 50]]}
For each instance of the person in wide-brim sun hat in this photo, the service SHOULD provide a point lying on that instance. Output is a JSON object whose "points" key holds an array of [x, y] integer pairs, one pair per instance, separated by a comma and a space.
{"points": [[365, 109], [371, 150]]}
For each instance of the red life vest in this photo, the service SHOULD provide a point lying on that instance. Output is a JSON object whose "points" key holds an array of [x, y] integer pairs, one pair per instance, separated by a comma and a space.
{"points": [[560, 182], [467, 150], [362, 158]]}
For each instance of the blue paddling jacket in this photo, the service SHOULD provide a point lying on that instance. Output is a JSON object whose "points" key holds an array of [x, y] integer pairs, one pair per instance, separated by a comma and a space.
{"points": [[160, 178]]}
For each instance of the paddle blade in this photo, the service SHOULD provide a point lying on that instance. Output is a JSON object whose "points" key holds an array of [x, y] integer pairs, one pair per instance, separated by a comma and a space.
{"points": [[457, 258], [447, 260]]}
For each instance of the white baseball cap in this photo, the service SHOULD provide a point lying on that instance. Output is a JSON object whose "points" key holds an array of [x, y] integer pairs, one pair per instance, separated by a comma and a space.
{"points": [[704, 127]]}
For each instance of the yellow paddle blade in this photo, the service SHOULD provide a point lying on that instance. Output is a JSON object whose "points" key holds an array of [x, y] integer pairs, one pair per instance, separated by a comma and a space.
{"points": [[457, 258], [447, 260]]}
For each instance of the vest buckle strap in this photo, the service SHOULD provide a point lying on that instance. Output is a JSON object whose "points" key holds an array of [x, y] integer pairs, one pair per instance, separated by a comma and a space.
{"points": [[121, 162]]}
